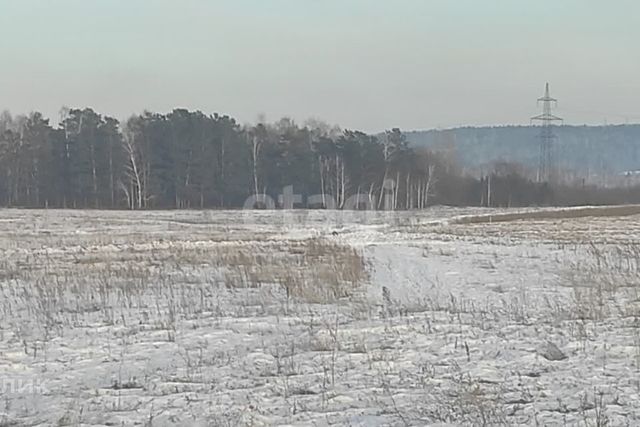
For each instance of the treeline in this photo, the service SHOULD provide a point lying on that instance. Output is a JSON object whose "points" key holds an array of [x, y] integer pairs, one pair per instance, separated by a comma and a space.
{"points": [[188, 159]]}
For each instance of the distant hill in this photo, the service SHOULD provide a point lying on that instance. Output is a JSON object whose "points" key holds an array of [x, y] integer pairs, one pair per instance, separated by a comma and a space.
{"points": [[585, 150]]}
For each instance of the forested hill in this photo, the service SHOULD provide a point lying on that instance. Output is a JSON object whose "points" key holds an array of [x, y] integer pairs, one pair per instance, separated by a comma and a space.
{"points": [[586, 150]]}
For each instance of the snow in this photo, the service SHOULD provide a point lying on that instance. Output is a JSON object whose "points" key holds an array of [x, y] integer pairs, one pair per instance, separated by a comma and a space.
{"points": [[182, 317]]}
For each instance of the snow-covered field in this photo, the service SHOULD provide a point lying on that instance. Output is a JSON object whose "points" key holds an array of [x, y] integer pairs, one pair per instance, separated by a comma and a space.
{"points": [[446, 317]]}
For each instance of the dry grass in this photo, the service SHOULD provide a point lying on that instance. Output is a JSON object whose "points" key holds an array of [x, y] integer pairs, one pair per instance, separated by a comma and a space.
{"points": [[314, 270], [603, 211], [164, 286]]}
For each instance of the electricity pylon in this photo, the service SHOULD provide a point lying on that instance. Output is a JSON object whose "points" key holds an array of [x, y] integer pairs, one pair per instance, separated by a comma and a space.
{"points": [[546, 165]]}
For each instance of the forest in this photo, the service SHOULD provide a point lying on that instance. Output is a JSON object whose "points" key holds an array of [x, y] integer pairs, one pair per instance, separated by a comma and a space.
{"points": [[192, 160]]}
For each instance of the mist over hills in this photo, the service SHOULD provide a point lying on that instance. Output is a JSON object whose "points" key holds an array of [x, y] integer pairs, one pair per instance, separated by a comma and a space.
{"points": [[583, 151]]}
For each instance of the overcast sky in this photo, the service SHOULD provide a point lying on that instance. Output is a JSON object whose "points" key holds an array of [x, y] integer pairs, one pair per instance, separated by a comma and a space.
{"points": [[363, 64]]}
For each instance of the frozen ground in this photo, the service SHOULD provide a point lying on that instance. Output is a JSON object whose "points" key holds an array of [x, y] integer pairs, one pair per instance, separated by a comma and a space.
{"points": [[446, 317]]}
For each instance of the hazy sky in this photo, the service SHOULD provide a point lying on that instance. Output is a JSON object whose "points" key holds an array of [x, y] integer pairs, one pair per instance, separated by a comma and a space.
{"points": [[365, 64]]}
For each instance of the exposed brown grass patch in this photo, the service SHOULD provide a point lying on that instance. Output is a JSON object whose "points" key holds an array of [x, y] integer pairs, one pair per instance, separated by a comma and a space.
{"points": [[599, 211]]}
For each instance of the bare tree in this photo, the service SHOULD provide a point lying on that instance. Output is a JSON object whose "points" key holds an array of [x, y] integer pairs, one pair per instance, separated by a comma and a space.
{"points": [[135, 191]]}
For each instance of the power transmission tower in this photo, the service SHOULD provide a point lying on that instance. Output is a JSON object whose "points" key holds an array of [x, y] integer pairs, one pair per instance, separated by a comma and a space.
{"points": [[547, 136]]}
